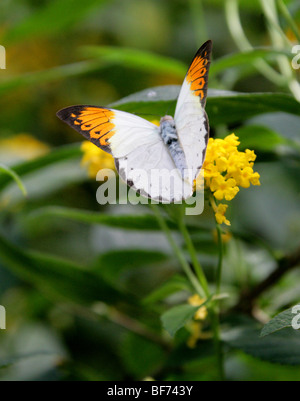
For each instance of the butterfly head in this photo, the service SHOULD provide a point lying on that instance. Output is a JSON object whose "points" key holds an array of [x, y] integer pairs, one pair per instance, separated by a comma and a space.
{"points": [[167, 120]]}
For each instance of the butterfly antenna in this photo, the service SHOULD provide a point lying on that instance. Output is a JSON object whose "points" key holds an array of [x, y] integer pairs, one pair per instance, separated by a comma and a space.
{"points": [[168, 109]]}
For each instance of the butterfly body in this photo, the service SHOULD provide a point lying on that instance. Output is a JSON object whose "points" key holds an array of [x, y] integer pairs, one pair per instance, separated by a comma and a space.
{"points": [[170, 138], [162, 162]]}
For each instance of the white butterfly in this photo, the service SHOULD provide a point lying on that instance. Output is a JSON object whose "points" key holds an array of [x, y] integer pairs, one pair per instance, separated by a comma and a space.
{"points": [[162, 162]]}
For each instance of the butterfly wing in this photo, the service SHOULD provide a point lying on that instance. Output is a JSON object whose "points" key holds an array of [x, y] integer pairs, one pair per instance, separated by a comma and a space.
{"points": [[141, 157], [114, 131], [190, 117], [152, 173]]}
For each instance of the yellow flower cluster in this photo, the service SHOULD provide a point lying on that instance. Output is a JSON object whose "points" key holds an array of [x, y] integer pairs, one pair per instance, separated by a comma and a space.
{"points": [[95, 159], [225, 170]]}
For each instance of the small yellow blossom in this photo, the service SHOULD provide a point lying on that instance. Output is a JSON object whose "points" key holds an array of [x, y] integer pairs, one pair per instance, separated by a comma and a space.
{"points": [[195, 328], [223, 188], [95, 159], [226, 236], [220, 211], [225, 170], [201, 313]]}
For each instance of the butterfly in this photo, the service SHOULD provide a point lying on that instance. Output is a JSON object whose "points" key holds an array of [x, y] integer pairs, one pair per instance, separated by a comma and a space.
{"points": [[159, 162]]}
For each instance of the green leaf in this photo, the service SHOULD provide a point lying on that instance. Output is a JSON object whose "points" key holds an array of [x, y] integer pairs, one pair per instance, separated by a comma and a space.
{"points": [[111, 264], [242, 58], [128, 222], [60, 279], [259, 137], [14, 176], [152, 101], [49, 75], [138, 59], [223, 107], [177, 317], [282, 347], [127, 57], [140, 356], [147, 222], [52, 18], [175, 284], [55, 156], [280, 321]]}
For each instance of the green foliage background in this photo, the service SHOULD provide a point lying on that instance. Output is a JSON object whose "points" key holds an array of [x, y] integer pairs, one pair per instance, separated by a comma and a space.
{"points": [[85, 286]]}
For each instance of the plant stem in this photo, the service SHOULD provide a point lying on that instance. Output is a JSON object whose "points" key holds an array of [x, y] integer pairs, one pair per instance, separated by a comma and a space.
{"points": [[218, 343], [284, 265], [238, 35], [220, 259], [270, 11], [193, 254], [220, 248], [214, 313], [215, 308], [200, 289], [285, 12], [178, 252]]}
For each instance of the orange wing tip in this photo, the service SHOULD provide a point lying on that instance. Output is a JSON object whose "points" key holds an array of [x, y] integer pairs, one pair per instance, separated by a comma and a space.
{"points": [[198, 71], [95, 123]]}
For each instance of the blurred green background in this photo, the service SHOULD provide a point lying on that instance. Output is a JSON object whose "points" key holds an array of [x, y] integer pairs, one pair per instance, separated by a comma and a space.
{"points": [[79, 281]]}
